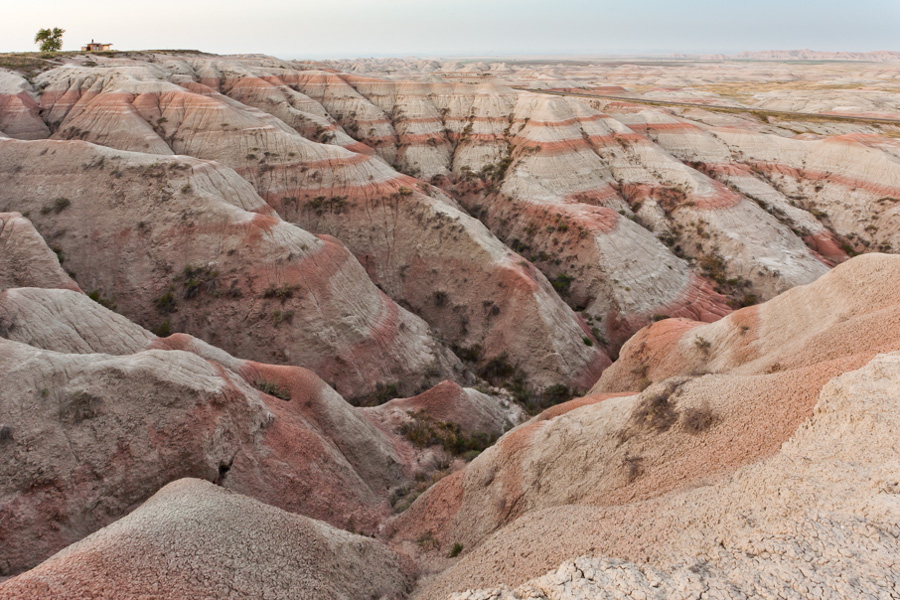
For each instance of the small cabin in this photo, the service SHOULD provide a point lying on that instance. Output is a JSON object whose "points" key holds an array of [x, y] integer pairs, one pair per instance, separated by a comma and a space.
{"points": [[95, 47]]}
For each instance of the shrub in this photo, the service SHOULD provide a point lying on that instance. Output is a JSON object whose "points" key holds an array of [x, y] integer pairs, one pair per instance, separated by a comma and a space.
{"points": [[497, 369], [272, 389], [320, 204], [470, 354], [424, 431], [634, 467], [555, 394], [279, 317], [198, 279], [696, 420], [57, 206], [384, 392], [454, 552], [702, 344], [164, 329], [165, 304], [713, 266], [562, 283], [656, 412], [99, 299], [281, 292]]}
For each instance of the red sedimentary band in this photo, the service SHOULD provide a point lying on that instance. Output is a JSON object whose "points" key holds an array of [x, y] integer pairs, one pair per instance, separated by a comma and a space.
{"points": [[698, 302], [53, 98], [676, 126], [624, 107], [564, 122], [24, 98], [404, 120], [462, 119], [335, 162], [250, 232], [580, 143], [360, 192], [595, 219], [421, 139], [826, 248], [851, 183], [370, 122], [200, 88], [265, 221], [381, 139], [612, 139], [596, 197], [727, 169], [863, 138], [561, 409], [722, 198], [359, 148], [552, 148], [591, 372]]}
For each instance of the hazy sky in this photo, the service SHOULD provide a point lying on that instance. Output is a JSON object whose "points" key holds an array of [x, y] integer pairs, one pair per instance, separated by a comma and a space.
{"points": [[348, 28]]}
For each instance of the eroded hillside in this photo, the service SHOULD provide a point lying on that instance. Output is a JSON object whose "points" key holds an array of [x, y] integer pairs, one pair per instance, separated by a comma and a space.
{"points": [[378, 302]]}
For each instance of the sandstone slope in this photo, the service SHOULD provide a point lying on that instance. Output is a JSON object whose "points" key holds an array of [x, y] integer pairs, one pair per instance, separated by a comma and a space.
{"points": [[178, 244], [722, 397], [193, 539], [819, 519], [413, 240]]}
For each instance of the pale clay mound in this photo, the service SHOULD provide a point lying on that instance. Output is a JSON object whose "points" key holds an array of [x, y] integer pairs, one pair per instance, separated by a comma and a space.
{"points": [[27, 261], [81, 382], [759, 208], [489, 293], [749, 457], [195, 540], [158, 218], [819, 519], [606, 462]]}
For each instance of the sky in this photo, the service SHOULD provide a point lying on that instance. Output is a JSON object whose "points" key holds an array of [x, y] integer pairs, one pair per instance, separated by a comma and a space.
{"points": [[361, 28]]}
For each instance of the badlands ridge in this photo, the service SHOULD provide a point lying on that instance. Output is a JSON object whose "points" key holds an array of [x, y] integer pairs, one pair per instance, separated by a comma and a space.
{"points": [[403, 328]]}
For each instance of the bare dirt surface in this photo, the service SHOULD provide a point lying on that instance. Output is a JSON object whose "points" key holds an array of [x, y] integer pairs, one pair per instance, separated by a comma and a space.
{"points": [[470, 329]]}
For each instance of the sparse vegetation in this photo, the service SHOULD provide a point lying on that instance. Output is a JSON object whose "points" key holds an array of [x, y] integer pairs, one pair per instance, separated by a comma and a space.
{"points": [[272, 389], [198, 279], [383, 393], [279, 317], [424, 431], [97, 297], [702, 344], [282, 292], [696, 420], [634, 467], [166, 303], [164, 329], [322, 204], [428, 542], [57, 206], [656, 412], [440, 298], [455, 550]]}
